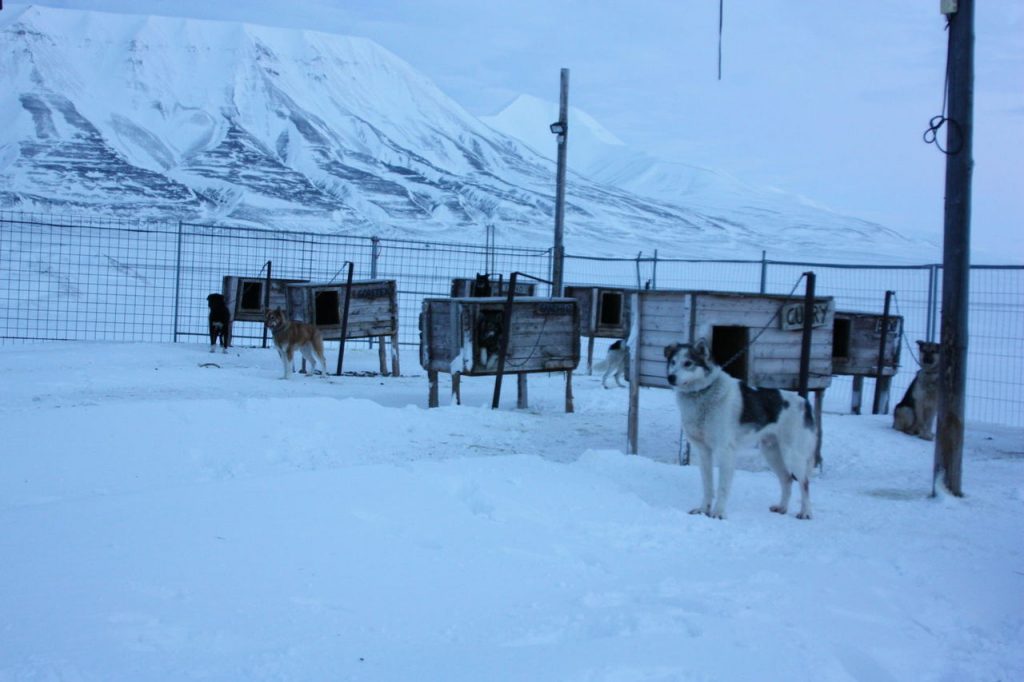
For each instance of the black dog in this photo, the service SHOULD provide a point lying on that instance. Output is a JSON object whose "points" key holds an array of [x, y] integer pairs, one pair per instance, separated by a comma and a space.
{"points": [[481, 287], [489, 329], [220, 322]]}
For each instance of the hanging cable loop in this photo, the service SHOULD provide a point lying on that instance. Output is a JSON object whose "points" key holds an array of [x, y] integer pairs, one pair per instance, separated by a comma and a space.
{"points": [[931, 134]]}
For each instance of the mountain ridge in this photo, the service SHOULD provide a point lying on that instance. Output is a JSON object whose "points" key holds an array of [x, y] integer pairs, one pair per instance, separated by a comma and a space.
{"points": [[239, 124]]}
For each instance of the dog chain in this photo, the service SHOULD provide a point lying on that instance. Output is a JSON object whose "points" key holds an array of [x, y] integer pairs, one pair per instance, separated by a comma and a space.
{"points": [[906, 343], [762, 330]]}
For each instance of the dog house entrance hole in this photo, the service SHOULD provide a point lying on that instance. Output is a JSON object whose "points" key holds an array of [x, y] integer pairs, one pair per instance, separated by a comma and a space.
{"points": [[611, 308], [251, 299], [326, 308], [728, 343], [841, 338]]}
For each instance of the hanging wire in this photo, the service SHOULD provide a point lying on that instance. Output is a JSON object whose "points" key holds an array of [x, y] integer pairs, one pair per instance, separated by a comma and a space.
{"points": [[931, 135], [721, 4], [762, 330], [906, 344], [343, 266]]}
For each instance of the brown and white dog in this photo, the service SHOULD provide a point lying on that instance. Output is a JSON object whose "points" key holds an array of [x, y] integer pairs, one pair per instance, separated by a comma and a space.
{"points": [[914, 414], [220, 322], [290, 336]]}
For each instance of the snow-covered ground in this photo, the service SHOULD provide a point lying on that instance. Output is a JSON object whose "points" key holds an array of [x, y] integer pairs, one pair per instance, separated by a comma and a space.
{"points": [[165, 520]]}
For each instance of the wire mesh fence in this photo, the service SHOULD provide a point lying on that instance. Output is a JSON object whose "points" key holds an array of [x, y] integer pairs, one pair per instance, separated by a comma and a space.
{"points": [[75, 278]]}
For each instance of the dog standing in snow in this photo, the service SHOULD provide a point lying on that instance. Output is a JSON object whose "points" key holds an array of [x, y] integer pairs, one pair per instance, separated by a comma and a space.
{"points": [[721, 413], [614, 363], [220, 322], [291, 336]]}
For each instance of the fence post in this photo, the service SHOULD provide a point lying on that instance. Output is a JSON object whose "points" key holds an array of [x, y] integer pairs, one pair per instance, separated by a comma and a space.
{"points": [[374, 255], [933, 302], [654, 273], [880, 405], [764, 270], [266, 300], [177, 284]]}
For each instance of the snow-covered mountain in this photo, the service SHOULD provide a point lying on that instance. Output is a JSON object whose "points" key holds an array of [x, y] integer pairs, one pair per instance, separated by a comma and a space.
{"points": [[598, 154], [248, 125]]}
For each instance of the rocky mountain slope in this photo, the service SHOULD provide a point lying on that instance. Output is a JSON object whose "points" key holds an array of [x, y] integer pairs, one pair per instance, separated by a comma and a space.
{"points": [[250, 125]]}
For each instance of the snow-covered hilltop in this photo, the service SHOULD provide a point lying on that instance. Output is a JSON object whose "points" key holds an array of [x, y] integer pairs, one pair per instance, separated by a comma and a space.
{"points": [[249, 125]]}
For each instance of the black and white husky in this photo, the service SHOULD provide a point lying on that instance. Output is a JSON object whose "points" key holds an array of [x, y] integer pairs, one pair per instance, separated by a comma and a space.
{"points": [[721, 413], [614, 363]]}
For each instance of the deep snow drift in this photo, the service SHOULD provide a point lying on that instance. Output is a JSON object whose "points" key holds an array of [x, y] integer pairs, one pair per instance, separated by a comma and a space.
{"points": [[165, 520]]}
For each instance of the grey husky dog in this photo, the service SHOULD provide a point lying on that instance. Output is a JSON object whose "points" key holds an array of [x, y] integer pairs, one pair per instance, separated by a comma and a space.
{"points": [[914, 414], [721, 413]]}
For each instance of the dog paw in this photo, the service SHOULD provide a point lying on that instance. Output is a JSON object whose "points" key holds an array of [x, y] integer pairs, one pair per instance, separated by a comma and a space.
{"points": [[700, 510], [720, 515], [778, 509], [804, 516]]}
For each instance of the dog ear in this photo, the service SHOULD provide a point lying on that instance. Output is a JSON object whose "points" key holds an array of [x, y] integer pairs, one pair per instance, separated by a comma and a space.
{"points": [[671, 349], [701, 349]]}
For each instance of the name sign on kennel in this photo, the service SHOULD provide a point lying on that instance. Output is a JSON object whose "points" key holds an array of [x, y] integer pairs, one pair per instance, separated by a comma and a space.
{"points": [[791, 316]]}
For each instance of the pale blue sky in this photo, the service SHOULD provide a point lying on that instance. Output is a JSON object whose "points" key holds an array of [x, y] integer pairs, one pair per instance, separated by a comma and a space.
{"points": [[823, 99]]}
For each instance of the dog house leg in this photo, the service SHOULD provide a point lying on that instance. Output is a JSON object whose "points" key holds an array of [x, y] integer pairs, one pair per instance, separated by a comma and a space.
{"points": [[432, 395], [569, 407], [881, 404], [395, 369], [383, 356], [457, 388], [858, 394], [521, 400], [819, 405], [590, 355]]}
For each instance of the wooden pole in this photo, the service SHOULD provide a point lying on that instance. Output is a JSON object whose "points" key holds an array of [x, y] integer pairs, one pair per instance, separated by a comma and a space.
{"points": [[805, 342], [344, 316], [876, 406], [432, 397], [266, 302], [505, 334], [633, 355], [857, 393], [956, 268], [561, 129]]}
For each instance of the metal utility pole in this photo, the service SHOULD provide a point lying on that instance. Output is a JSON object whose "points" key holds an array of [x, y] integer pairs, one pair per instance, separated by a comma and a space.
{"points": [[561, 129], [956, 267]]}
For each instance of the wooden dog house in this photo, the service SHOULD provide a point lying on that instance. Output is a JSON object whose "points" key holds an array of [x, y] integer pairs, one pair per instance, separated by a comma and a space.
{"points": [[461, 336], [485, 286], [754, 337], [247, 297], [372, 312], [856, 341], [604, 313]]}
